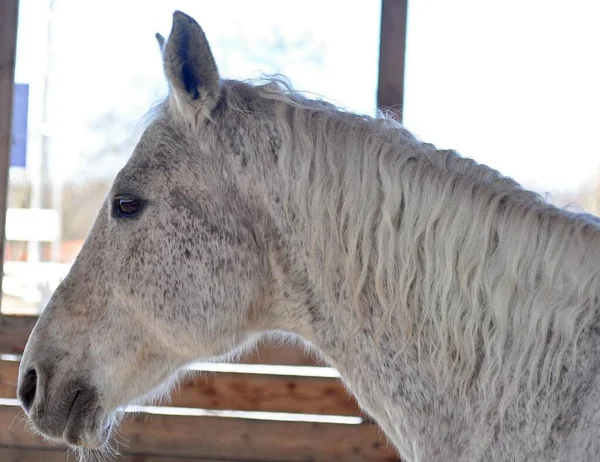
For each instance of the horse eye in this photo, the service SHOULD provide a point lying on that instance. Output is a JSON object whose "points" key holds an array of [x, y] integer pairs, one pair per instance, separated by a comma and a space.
{"points": [[126, 206]]}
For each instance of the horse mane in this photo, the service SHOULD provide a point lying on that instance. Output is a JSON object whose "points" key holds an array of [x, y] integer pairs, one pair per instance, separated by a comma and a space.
{"points": [[482, 278]]}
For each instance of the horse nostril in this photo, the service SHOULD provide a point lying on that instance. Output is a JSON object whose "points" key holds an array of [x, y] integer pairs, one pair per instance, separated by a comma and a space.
{"points": [[27, 389]]}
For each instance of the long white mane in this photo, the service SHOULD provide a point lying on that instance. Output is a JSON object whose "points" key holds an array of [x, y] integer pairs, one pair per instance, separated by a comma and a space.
{"points": [[484, 279]]}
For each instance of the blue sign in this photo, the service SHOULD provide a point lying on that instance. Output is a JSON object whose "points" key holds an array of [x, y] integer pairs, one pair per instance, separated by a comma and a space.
{"points": [[18, 148]]}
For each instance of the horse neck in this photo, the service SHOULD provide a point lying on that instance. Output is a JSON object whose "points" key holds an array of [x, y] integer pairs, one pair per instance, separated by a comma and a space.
{"points": [[314, 310], [395, 389]]}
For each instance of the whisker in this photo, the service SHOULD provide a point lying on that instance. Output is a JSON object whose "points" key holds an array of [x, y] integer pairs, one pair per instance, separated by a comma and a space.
{"points": [[120, 439], [19, 414]]}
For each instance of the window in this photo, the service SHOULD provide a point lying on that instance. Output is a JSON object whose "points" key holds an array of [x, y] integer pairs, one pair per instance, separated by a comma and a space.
{"points": [[513, 84], [86, 74]]}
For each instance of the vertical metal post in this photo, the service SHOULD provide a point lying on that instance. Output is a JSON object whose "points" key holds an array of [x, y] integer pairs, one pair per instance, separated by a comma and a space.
{"points": [[8, 49], [392, 52], [37, 139]]}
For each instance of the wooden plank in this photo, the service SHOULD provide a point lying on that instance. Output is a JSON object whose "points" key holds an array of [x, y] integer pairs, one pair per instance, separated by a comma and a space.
{"points": [[228, 438], [241, 392], [287, 355], [14, 454], [8, 49], [9, 372], [392, 52], [269, 393], [15, 330]]}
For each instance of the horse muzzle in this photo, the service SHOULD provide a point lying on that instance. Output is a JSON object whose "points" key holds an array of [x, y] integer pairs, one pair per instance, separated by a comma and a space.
{"points": [[65, 409]]}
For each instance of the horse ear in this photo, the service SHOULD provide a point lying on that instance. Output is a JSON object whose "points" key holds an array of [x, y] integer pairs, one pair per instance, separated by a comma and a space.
{"points": [[161, 41], [190, 67]]}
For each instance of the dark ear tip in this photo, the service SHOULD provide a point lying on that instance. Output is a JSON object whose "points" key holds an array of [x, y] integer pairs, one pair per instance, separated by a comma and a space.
{"points": [[181, 17], [160, 39]]}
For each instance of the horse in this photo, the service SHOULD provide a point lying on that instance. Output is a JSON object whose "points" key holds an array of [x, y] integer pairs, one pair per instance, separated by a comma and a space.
{"points": [[460, 309]]}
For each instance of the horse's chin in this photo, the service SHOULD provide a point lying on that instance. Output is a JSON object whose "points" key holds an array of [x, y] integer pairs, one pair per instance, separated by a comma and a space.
{"points": [[93, 436]]}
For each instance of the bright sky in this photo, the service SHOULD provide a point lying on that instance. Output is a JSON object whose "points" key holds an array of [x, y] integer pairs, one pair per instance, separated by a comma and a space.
{"points": [[106, 58], [513, 84]]}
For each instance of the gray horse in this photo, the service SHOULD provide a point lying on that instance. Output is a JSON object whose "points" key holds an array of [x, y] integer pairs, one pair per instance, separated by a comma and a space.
{"points": [[460, 309]]}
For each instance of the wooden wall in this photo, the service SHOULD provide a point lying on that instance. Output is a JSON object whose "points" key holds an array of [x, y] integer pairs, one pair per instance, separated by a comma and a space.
{"points": [[289, 415]]}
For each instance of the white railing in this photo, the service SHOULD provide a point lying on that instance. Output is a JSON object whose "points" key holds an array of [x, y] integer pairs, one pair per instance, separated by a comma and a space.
{"points": [[32, 282]]}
